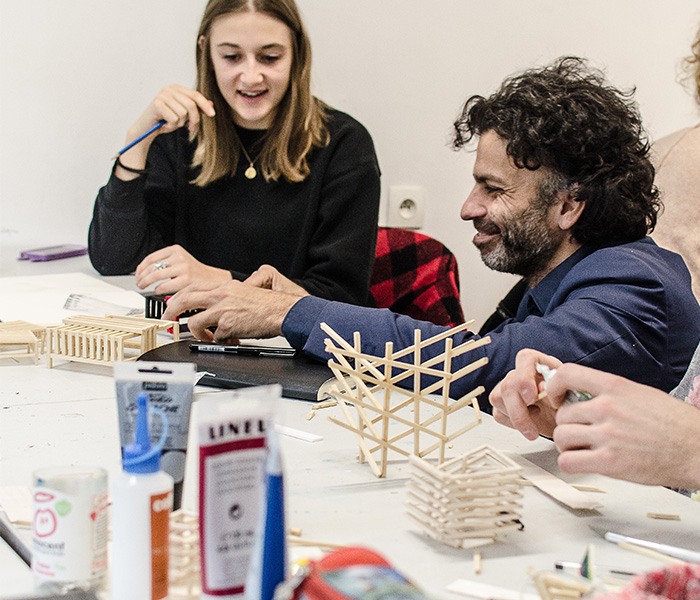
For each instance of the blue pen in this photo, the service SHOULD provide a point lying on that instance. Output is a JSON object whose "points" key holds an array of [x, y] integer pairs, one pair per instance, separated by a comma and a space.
{"points": [[144, 135], [268, 566], [274, 560]]}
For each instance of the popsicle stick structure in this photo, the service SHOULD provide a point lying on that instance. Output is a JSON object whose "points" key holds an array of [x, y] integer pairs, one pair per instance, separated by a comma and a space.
{"points": [[417, 420], [19, 344], [184, 565], [467, 501], [20, 339], [104, 340]]}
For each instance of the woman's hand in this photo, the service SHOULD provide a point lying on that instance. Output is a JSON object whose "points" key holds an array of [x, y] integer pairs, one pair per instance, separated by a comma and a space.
{"points": [[176, 268], [174, 104]]}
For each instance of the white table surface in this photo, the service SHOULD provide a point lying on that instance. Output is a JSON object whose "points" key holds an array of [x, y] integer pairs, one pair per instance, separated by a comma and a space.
{"points": [[67, 415]]}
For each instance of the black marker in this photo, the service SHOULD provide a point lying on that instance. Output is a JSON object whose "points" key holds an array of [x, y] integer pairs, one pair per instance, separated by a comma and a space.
{"points": [[244, 350]]}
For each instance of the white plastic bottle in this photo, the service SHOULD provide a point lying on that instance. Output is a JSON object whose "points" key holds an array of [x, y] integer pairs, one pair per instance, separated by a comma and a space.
{"points": [[142, 498]]}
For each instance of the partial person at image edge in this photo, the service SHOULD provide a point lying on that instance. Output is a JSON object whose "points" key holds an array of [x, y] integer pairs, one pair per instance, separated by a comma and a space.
{"points": [[677, 160]]}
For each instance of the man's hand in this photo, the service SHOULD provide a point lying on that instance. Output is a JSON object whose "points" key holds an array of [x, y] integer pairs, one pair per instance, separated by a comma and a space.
{"points": [[269, 278], [235, 309], [515, 399]]}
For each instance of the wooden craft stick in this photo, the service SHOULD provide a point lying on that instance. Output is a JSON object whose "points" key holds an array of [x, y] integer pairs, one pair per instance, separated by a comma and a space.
{"points": [[388, 351], [663, 516], [477, 562], [438, 338], [588, 488], [445, 399], [297, 541], [371, 437], [324, 404], [665, 558], [553, 486], [416, 388], [343, 344], [407, 369], [363, 446]]}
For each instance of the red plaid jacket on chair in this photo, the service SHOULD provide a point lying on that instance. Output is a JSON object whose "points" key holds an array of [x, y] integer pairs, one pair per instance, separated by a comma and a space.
{"points": [[416, 275]]}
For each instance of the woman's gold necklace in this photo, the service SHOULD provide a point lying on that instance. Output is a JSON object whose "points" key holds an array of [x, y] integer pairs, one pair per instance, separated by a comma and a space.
{"points": [[251, 171]]}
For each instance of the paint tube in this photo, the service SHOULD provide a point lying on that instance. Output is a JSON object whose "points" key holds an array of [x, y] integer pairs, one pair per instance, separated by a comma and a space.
{"points": [[169, 387], [232, 432]]}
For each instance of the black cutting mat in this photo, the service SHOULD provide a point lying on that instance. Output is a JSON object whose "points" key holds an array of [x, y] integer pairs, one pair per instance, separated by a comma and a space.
{"points": [[299, 377]]}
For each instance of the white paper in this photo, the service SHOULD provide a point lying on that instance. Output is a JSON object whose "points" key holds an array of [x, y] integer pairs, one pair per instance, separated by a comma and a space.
{"points": [[40, 298], [16, 501], [488, 592]]}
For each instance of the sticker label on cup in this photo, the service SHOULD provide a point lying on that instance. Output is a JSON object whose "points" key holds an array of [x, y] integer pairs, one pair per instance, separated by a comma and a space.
{"points": [[69, 531]]}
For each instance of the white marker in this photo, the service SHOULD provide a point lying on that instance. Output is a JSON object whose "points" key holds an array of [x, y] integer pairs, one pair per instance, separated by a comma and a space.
{"points": [[571, 395]]}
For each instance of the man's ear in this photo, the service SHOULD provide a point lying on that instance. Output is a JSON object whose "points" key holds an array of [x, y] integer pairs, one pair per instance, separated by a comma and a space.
{"points": [[569, 209]]}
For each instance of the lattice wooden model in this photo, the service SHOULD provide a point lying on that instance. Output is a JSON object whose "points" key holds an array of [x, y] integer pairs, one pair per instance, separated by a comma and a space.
{"points": [[104, 340], [467, 501], [387, 414]]}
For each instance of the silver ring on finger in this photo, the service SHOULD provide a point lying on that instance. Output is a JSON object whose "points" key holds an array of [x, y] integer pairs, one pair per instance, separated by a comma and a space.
{"points": [[160, 265]]}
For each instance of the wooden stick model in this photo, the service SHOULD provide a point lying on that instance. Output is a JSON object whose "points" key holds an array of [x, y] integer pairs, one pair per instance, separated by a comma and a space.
{"points": [[20, 339], [104, 340], [393, 419], [470, 498]]}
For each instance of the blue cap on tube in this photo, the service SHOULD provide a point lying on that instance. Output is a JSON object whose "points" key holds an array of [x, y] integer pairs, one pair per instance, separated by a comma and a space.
{"points": [[141, 456]]}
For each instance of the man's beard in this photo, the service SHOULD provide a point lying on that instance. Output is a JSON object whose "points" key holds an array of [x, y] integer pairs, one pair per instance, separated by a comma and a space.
{"points": [[526, 244]]}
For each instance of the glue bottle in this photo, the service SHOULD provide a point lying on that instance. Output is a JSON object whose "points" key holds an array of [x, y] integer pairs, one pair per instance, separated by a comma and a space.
{"points": [[142, 497]]}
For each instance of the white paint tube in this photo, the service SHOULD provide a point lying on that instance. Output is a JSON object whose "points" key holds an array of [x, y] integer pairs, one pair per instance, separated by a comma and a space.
{"points": [[169, 387], [232, 433]]}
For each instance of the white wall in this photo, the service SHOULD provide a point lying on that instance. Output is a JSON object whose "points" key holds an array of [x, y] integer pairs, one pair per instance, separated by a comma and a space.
{"points": [[75, 73]]}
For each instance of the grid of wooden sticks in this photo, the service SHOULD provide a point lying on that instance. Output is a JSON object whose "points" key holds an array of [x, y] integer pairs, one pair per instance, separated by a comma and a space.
{"points": [[104, 340], [386, 414], [467, 501]]}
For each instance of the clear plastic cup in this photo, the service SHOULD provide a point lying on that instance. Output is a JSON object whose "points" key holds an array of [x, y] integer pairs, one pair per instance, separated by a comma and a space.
{"points": [[69, 528]]}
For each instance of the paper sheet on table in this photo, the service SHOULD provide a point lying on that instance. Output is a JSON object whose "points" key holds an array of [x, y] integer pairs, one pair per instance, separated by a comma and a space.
{"points": [[40, 298], [16, 501], [485, 591]]}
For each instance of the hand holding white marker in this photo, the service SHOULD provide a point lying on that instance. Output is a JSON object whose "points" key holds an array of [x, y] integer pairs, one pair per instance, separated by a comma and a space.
{"points": [[571, 395]]}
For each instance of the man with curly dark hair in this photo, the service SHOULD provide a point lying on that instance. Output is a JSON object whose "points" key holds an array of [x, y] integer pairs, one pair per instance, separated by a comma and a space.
{"points": [[564, 197]]}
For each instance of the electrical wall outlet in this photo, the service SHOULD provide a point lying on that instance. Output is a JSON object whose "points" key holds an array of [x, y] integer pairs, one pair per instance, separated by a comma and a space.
{"points": [[406, 207]]}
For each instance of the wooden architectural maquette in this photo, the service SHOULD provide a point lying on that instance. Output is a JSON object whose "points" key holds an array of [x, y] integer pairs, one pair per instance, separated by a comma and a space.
{"points": [[418, 420], [184, 564], [105, 340], [467, 501], [19, 339]]}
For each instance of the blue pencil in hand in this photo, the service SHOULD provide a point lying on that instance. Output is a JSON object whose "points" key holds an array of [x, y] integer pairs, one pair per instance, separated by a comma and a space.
{"points": [[143, 136]]}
